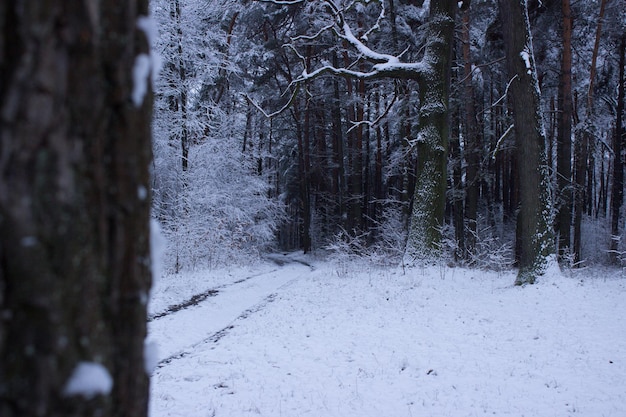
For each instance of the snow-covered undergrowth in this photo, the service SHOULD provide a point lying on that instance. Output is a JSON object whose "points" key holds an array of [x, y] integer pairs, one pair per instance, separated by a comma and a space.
{"points": [[425, 342]]}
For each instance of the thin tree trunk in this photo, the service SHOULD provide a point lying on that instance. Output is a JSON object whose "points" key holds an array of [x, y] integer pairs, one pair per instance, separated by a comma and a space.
{"points": [[392, 20], [564, 140], [617, 196], [357, 159], [580, 164], [302, 128], [472, 137], [582, 145], [603, 192], [369, 217], [222, 80], [590, 192], [456, 196], [338, 149], [307, 211], [378, 171], [594, 59], [552, 133], [182, 78], [407, 179]]}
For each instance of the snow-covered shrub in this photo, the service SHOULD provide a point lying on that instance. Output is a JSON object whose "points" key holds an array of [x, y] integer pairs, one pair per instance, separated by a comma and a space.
{"points": [[218, 211], [491, 251], [383, 244], [208, 192], [494, 249], [595, 242]]}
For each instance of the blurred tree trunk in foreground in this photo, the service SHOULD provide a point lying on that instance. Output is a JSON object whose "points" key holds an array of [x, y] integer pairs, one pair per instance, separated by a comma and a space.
{"points": [[75, 108]]}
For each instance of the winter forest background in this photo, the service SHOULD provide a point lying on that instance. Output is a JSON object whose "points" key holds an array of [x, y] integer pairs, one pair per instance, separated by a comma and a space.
{"points": [[338, 164], [452, 137]]}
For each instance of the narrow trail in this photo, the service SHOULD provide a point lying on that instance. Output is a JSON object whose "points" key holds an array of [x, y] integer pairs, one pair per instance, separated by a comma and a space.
{"points": [[215, 337], [198, 298], [208, 316]]}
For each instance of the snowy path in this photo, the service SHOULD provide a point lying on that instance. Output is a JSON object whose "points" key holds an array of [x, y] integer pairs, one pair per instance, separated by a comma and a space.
{"points": [[207, 315], [354, 342]]}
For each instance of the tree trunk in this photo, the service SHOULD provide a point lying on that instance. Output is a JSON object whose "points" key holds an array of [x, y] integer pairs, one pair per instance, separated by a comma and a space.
{"points": [[378, 170], [408, 176], [473, 145], [533, 221], [302, 134], [181, 100], [429, 200], [457, 190], [583, 146], [580, 165], [357, 158], [74, 207], [618, 158], [564, 140], [339, 172]]}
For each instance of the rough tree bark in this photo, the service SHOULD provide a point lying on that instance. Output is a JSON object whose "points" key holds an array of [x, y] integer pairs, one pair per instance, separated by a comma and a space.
{"points": [[432, 142], [534, 235], [74, 205]]}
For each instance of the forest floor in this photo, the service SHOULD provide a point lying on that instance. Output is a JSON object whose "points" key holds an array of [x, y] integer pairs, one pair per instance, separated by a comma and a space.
{"points": [[348, 340]]}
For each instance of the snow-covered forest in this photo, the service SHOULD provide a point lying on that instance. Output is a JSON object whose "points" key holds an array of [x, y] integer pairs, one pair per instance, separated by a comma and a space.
{"points": [[416, 159], [312, 207], [421, 157], [308, 125]]}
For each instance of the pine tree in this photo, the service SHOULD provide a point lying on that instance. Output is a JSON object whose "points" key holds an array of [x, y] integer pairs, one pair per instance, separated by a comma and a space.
{"points": [[534, 219]]}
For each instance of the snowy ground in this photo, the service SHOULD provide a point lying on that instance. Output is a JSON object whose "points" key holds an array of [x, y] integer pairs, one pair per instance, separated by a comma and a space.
{"points": [[293, 340]]}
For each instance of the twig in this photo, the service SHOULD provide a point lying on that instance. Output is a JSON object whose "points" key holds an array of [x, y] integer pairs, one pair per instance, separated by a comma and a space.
{"points": [[279, 111], [378, 119]]}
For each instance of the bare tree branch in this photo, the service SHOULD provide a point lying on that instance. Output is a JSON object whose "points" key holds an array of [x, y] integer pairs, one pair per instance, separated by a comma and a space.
{"points": [[379, 118], [384, 65], [312, 37], [282, 2], [381, 65], [279, 111], [499, 142]]}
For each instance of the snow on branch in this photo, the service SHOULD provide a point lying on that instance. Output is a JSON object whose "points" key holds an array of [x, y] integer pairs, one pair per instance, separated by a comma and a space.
{"points": [[282, 2], [506, 91], [499, 142], [363, 49], [279, 111], [378, 119], [315, 36], [380, 65], [383, 65], [376, 25]]}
